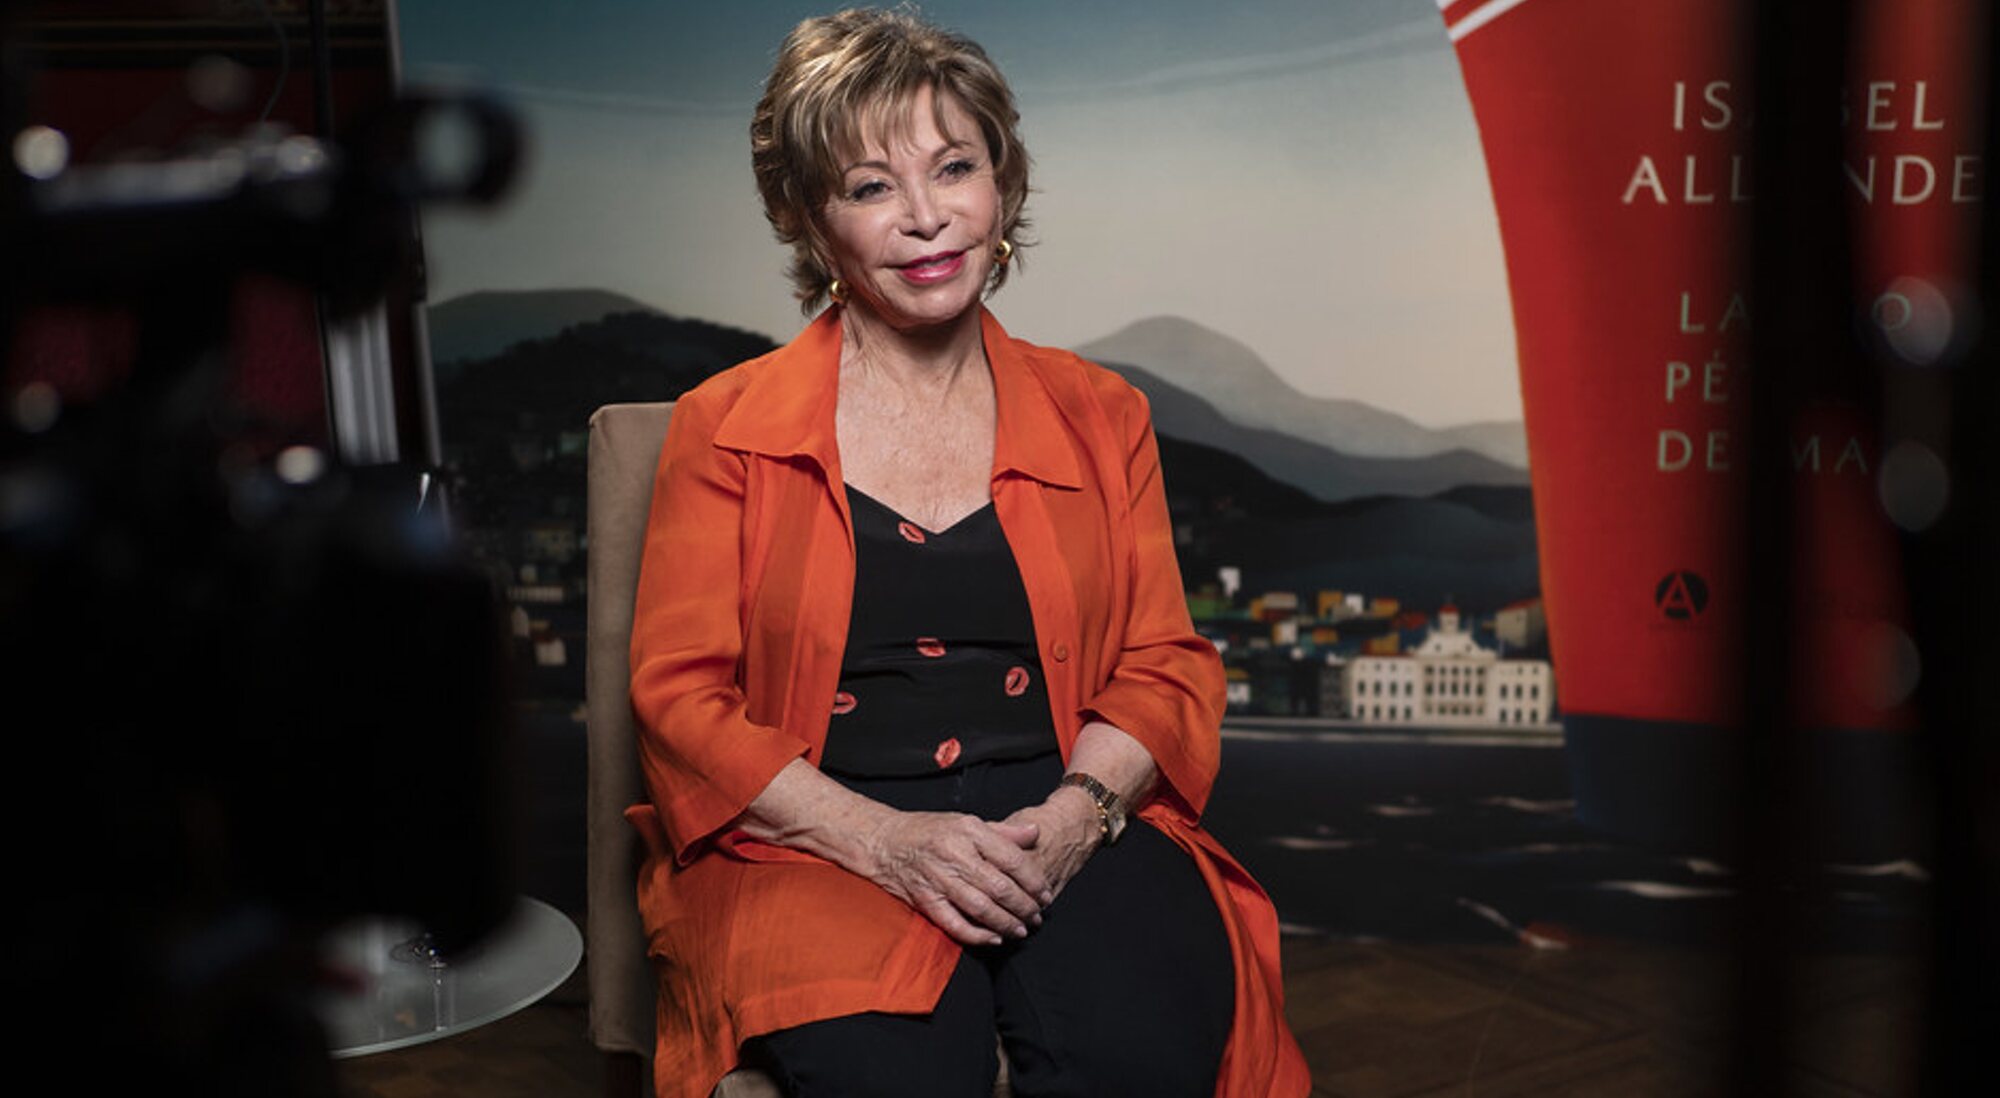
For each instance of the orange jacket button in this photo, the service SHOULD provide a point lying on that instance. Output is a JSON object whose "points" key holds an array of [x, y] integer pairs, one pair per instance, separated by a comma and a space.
{"points": [[1060, 651]]}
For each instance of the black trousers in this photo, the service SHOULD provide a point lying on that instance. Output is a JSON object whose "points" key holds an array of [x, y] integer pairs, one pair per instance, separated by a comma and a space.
{"points": [[1125, 989]]}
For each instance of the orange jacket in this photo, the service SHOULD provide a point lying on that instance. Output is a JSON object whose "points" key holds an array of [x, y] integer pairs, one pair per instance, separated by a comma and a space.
{"points": [[737, 638]]}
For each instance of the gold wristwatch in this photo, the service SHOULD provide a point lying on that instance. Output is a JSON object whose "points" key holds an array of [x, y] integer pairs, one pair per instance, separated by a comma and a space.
{"points": [[1110, 806]]}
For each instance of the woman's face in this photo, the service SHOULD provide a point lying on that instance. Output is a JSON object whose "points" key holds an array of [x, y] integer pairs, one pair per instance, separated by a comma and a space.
{"points": [[913, 222]]}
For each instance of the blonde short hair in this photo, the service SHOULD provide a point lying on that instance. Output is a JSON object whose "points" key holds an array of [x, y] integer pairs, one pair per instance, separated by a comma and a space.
{"points": [[841, 76]]}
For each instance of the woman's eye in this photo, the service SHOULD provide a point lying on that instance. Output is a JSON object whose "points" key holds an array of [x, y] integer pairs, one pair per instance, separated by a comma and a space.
{"points": [[865, 191], [958, 168]]}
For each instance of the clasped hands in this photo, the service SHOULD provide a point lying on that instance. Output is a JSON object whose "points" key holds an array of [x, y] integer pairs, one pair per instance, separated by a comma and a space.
{"points": [[983, 881], [980, 881]]}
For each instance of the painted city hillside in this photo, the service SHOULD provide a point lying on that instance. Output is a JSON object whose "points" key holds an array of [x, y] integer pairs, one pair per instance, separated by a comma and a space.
{"points": [[1352, 567]]}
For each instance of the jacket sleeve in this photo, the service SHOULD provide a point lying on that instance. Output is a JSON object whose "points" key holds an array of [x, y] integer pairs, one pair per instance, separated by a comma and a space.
{"points": [[704, 761], [1166, 689]]}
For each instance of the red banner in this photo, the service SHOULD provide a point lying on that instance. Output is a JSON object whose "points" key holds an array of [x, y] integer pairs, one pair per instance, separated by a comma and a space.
{"points": [[1617, 140]]}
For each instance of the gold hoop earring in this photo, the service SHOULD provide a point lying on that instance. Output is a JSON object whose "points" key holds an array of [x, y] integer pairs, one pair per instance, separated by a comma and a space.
{"points": [[1002, 252], [837, 292]]}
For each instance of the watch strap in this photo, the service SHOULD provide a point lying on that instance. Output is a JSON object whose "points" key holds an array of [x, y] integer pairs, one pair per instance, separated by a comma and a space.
{"points": [[1110, 806]]}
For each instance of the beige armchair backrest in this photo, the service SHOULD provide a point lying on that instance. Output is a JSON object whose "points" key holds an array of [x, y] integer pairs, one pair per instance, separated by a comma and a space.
{"points": [[624, 454]]}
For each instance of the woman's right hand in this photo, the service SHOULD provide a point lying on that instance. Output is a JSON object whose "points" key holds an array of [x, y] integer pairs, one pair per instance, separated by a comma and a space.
{"points": [[974, 878]]}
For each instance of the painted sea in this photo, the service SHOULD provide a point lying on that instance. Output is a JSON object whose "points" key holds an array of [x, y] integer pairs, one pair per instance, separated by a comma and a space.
{"points": [[1449, 836]]}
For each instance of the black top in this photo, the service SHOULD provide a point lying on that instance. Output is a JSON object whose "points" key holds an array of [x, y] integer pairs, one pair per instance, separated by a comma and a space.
{"points": [[941, 669]]}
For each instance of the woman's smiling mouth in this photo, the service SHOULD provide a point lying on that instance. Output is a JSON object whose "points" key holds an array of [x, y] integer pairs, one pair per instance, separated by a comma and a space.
{"points": [[933, 268]]}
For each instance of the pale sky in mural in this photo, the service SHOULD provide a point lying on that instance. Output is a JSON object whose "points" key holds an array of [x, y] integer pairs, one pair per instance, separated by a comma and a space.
{"points": [[1303, 176]]}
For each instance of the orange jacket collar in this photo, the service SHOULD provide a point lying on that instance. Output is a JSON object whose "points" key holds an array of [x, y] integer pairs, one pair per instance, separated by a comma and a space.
{"points": [[788, 410]]}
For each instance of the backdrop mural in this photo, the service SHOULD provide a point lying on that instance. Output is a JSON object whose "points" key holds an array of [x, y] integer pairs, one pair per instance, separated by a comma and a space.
{"points": [[1275, 218]]}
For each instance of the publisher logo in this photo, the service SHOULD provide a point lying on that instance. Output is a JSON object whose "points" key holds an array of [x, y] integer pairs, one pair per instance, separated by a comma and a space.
{"points": [[1681, 596]]}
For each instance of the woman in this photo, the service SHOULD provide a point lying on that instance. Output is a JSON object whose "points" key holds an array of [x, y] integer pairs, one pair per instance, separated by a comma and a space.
{"points": [[927, 730]]}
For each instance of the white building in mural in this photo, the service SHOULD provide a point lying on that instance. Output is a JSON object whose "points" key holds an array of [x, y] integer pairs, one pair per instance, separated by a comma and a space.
{"points": [[1449, 679]]}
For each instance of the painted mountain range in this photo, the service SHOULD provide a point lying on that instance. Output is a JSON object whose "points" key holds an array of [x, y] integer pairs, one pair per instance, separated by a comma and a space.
{"points": [[1204, 387], [483, 324], [1292, 513], [1242, 388]]}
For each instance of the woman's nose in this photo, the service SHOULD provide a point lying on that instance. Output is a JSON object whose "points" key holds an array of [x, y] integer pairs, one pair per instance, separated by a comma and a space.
{"points": [[926, 215]]}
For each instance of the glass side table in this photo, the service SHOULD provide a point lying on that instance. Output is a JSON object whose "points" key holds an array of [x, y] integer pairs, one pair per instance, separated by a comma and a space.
{"points": [[408, 998]]}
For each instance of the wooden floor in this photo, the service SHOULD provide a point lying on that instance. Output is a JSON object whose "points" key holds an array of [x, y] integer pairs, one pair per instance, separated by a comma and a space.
{"points": [[1384, 1020]]}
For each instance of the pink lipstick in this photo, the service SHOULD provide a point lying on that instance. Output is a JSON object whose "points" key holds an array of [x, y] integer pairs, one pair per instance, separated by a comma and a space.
{"points": [[933, 268]]}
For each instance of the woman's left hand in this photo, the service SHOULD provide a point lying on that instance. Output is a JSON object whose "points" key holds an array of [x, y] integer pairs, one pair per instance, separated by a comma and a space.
{"points": [[1070, 831], [1071, 826]]}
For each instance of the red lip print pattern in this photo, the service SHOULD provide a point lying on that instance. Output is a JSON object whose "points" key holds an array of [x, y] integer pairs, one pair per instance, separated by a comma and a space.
{"points": [[930, 646], [1017, 681], [910, 533], [843, 702], [947, 753]]}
